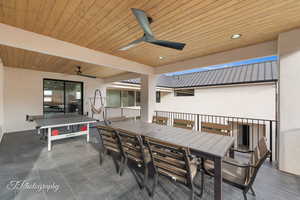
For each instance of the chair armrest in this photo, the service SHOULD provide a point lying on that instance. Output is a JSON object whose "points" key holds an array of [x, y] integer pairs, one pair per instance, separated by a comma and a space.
{"points": [[242, 151], [237, 164]]}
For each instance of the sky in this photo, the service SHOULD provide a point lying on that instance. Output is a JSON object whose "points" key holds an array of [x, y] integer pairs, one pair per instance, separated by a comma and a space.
{"points": [[233, 64]]}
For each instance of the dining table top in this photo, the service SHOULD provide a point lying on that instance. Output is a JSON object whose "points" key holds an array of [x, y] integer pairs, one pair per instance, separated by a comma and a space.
{"points": [[213, 145]]}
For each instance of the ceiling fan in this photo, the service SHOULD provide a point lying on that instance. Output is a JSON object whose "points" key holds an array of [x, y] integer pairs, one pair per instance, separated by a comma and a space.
{"points": [[79, 73], [144, 22]]}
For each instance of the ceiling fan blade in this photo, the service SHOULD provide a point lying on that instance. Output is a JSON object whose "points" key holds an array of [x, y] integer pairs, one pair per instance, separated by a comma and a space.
{"points": [[172, 45], [85, 75], [142, 18], [132, 44]]}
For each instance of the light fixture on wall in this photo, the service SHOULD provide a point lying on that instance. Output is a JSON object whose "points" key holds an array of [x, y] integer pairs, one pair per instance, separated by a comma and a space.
{"points": [[236, 36], [161, 57]]}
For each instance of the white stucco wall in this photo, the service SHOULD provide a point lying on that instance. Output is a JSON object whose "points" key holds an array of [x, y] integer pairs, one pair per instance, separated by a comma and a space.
{"points": [[23, 94], [1, 99], [254, 101], [289, 54]]}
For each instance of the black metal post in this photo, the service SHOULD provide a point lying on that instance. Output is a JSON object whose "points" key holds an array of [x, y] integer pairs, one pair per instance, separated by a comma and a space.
{"points": [[198, 124], [271, 140]]}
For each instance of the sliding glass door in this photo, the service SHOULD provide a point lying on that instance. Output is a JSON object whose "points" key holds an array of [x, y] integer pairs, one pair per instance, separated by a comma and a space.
{"points": [[62, 96], [73, 97]]}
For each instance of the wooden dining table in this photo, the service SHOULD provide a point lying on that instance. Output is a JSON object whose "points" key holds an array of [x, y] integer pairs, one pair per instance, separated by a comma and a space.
{"points": [[211, 146]]}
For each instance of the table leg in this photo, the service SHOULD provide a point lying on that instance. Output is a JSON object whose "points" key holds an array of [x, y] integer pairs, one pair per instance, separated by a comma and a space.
{"points": [[218, 179], [231, 152], [49, 139], [88, 133]]}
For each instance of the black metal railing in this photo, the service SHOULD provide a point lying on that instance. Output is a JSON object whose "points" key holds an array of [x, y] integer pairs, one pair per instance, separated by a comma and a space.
{"points": [[246, 131]]}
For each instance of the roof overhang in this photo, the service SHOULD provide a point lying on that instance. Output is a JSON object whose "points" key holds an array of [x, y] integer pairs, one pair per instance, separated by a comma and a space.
{"points": [[131, 86]]}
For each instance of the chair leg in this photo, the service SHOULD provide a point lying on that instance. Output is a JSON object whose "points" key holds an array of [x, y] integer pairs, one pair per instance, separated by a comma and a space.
{"points": [[202, 183], [146, 174], [192, 193], [252, 190], [100, 158], [154, 184], [102, 154], [120, 166], [123, 165], [245, 195]]}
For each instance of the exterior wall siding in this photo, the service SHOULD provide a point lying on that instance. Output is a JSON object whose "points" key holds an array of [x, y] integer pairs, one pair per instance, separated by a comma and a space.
{"points": [[249, 101]]}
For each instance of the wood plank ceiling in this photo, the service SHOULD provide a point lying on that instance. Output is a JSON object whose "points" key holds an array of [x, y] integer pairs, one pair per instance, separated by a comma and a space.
{"points": [[106, 25], [20, 58]]}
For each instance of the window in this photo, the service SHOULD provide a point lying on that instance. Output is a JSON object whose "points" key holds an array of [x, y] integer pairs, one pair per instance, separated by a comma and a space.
{"points": [[246, 136], [47, 99], [47, 92], [113, 98], [78, 95], [184, 92], [127, 98], [157, 96], [62, 96], [138, 98]]}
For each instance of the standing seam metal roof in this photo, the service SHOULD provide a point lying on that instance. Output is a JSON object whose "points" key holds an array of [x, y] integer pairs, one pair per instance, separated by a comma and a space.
{"points": [[250, 73]]}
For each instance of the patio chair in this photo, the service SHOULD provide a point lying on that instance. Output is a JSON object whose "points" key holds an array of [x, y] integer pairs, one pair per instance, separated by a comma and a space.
{"points": [[242, 175], [216, 128], [173, 162], [181, 123], [110, 142], [133, 149], [160, 120]]}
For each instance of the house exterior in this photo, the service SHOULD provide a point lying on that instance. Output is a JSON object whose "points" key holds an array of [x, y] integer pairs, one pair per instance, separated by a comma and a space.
{"points": [[247, 91]]}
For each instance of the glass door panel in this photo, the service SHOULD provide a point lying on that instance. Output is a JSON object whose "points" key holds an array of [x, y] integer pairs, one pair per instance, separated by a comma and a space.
{"points": [[53, 96], [73, 97]]}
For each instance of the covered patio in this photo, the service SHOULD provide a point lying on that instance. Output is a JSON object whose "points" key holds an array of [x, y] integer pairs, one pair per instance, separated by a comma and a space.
{"points": [[55, 55], [80, 177]]}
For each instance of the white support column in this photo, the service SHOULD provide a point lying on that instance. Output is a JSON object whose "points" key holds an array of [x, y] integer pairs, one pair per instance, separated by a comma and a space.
{"points": [[1, 99], [289, 105], [148, 86]]}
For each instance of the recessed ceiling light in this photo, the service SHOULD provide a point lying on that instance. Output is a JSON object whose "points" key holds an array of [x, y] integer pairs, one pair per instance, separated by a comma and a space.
{"points": [[161, 57], [236, 36]]}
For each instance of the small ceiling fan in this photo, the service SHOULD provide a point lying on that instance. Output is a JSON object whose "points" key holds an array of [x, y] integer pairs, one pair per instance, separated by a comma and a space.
{"points": [[148, 36], [79, 73]]}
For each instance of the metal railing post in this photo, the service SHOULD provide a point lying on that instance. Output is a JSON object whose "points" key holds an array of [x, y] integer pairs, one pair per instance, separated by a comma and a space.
{"points": [[198, 122]]}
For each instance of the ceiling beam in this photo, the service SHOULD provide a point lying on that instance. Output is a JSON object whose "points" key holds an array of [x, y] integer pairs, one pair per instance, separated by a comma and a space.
{"points": [[121, 77], [19, 38], [245, 53]]}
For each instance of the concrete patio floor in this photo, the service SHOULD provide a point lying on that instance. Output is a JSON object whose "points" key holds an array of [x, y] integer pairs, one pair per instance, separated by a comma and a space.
{"points": [[74, 166]]}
